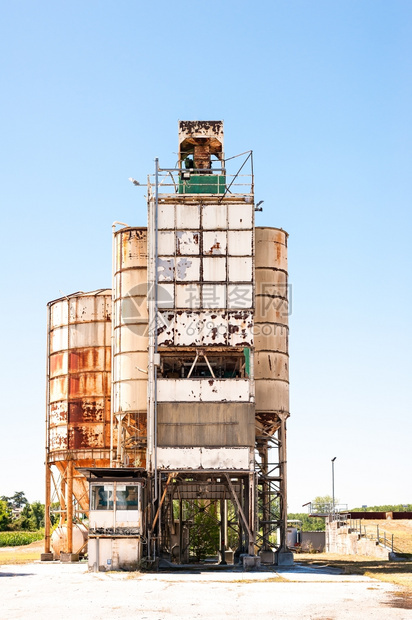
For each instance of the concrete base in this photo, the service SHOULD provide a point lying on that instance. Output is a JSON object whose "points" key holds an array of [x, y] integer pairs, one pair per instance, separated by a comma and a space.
{"points": [[267, 557], [284, 557], [69, 557], [46, 557], [250, 562]]}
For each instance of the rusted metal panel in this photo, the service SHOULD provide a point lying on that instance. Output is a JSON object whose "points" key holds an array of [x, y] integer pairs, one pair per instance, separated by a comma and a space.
{"points": [[203, 390], [79, 373], [85, 436], [203, 458], [219, 327], [270, 365], [87, 410], [58, 438], [272, 395], [271, 326], [214, 243], [187, 242], [240, 329], [58, 364], [203, 424]]}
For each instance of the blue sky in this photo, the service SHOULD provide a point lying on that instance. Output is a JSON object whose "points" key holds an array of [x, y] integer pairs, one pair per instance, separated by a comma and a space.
{"points": [[322, 93]]}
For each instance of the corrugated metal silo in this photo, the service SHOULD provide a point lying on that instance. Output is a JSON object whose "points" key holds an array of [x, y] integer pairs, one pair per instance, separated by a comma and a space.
{"points": [[78, 409], [130, 345], [271, 327]]}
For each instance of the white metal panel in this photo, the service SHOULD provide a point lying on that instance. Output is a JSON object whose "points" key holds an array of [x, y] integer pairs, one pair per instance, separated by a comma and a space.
{"points": [[130, 395], [230, 390], [188, 295], [187, 268], [187, 242], [240, 242], [214, 242], [240, 269], [130, 365], [131, 282], [240, 296], [131, 337], [165, 296], [59, 314], [130, 310], [166, 243], [203, 458], [214, 269], [225, 458], [166, 216], [86, 335], [240, 216], [187, 216], [59, 339], [214, 295], [165, 269], [203, 390], [214, 217]]}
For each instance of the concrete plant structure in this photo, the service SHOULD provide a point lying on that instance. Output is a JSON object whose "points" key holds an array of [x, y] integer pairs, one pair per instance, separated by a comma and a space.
{"points": [[199, 377]]}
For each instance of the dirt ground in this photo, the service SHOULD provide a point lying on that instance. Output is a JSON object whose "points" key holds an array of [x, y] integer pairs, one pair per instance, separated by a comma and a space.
{"points": [[400, 528], [318, 587]]}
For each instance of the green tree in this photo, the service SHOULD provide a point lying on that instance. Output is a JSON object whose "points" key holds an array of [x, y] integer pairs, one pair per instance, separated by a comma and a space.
{"points": [[323, 504], [18, 500], [5, 515]]}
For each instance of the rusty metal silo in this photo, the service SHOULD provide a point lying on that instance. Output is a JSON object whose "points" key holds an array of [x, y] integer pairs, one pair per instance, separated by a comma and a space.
{"points": [[271, 327], [78, 396], [130, 346]]}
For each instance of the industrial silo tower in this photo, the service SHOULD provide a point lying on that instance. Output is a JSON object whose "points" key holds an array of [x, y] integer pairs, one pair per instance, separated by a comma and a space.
{"points": [[217, 355]]}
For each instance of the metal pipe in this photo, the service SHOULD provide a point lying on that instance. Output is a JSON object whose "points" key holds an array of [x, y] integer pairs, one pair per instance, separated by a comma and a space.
{"points": [[69, 505], [333, 484], [46, 464]]}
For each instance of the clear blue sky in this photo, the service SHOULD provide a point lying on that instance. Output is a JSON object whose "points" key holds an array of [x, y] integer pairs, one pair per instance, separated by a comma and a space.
{"points": [[322, 92]]}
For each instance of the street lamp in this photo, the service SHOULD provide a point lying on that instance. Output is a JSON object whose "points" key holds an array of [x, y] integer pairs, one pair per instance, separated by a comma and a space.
{"points": [[333, 484]]}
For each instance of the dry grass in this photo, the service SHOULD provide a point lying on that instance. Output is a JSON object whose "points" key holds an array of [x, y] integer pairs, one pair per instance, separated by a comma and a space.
{"points": [[25, 554], [400, 528], [398, 573]]}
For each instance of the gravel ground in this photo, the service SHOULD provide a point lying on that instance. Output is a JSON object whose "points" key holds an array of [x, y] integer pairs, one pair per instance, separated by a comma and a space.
{"points": [[43, 590]]}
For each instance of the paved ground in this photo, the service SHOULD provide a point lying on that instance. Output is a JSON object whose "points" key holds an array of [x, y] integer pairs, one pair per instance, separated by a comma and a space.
{"points": [[41, 591]]}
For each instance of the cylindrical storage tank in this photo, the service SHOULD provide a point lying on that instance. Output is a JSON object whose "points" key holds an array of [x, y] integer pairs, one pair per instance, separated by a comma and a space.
{"points": [[59, 539], [131, 339], [79, 384], [271, 326]]}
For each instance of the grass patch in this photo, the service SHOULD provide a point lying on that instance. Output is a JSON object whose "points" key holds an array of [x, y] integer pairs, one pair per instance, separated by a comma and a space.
{"points": [[16, 539]]}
